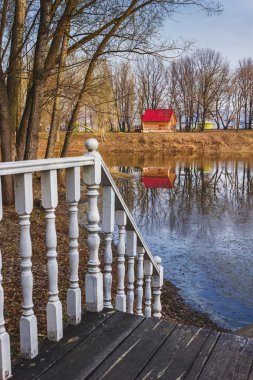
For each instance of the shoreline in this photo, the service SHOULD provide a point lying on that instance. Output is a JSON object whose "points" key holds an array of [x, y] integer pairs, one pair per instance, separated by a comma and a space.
{"points": [[211, 144]]}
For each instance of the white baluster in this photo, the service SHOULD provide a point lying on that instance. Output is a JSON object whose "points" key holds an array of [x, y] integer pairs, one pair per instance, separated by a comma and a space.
{"points": [[121, 220], [94, 278], [157, 283], [54, 306], [74, 312], [5, 352], [148, 270], [28, 321], [139, 282], [131, 253], [1, 201], [108, 220]]}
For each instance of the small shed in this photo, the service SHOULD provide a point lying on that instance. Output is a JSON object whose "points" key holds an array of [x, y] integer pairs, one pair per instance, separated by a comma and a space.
{"points": [[159, 120]]}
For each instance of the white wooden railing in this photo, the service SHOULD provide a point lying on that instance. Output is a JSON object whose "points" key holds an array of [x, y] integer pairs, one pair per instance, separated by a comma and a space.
{"points": [[131, 281]]}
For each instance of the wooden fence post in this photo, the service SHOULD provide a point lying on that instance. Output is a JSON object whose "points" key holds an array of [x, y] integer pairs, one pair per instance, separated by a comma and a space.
{"points": [[5, 352], [108, 220], [148, 270], [74, 311], [131, 254], [54, 306], [28, 321], [157, 283], [139, 282], [121, 220], [94, 277]]}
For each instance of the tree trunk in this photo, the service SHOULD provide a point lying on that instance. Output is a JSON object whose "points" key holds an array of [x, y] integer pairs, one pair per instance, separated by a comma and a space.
{"points": [[14, 82], [250, 114], [245, 115], [56, 117], [22, 131], [37, 91], [203, 121], [6, 146]]}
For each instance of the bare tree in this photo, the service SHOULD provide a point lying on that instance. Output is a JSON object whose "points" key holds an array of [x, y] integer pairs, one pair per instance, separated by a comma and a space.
{"points": [[124, 96], [245, 81], [183, 90], [152, 86], [211, 74]]}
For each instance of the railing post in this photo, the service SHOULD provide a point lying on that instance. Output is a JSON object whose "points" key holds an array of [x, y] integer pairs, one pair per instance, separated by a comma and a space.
{"points": [[94, 278], [28, 321], [139, 282], [157, 283], [148, 270], [121, 220], [74, 311], [5, 352], [131, 253], [108, 220], [54, 306], [1, 201]]}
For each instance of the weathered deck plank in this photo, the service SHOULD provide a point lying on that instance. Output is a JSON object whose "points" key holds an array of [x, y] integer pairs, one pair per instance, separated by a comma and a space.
{"points": [[202, 357], [90, 352], [231, 359], [176, 355], [135, 352], [51, 352], [117, 345]]}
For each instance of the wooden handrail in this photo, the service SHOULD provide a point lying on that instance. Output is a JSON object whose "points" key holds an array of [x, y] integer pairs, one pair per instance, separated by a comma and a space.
{"points": [[31, 166], [107, 180]]}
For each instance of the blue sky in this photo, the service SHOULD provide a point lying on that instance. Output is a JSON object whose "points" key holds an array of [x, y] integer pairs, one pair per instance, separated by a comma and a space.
{"points": [[231, 33]]}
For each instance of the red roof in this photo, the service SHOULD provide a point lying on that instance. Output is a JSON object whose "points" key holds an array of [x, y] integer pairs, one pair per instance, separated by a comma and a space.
{"points": [[157, 115], [157, 183]]}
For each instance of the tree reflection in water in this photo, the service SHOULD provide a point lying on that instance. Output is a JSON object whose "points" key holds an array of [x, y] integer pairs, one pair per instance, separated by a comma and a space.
{"points": [[207, 188], [202, 228]]}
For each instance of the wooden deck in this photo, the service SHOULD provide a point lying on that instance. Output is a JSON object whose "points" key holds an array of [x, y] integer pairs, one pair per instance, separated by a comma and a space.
{"points": [[115, 345]]}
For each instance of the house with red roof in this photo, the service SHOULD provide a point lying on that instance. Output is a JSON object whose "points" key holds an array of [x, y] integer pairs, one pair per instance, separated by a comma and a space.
{"points": [[159, 120]]}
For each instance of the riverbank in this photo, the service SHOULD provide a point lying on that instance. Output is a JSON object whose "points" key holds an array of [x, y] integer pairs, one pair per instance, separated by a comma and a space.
{"points": [[209, 143]]}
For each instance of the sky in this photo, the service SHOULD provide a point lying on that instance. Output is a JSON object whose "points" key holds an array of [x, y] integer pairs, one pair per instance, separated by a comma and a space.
{"points": [[231, 33]]}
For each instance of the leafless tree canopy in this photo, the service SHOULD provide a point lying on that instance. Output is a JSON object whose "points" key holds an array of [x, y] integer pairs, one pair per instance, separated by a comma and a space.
{"points": [[48, 47]]}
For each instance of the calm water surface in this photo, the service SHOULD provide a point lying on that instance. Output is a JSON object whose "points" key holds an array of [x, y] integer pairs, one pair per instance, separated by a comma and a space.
{"points": [[198, 216]]}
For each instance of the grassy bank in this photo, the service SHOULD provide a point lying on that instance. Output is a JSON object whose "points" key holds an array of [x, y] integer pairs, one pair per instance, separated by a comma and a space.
{"points": [[208, 143]]}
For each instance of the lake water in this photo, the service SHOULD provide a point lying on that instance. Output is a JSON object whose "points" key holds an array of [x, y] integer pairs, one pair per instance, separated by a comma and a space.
{"points": [[198, 216]]}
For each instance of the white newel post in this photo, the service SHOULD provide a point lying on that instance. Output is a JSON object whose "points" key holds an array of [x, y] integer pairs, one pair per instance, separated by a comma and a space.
{"points": [[157, 283], [121, 220], [94, 277], [108, 220], [54, 306], [131, 254], [139, 282], [148, 270], [5, 352], [74, 312], [28, 321]]}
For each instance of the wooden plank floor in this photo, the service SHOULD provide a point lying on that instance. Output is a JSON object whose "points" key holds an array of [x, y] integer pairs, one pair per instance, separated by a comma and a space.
{"points": [[119, 346]]}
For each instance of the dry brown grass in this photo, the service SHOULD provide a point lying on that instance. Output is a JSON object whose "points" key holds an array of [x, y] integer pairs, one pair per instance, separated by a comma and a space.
{"points": [[209, 143]]}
